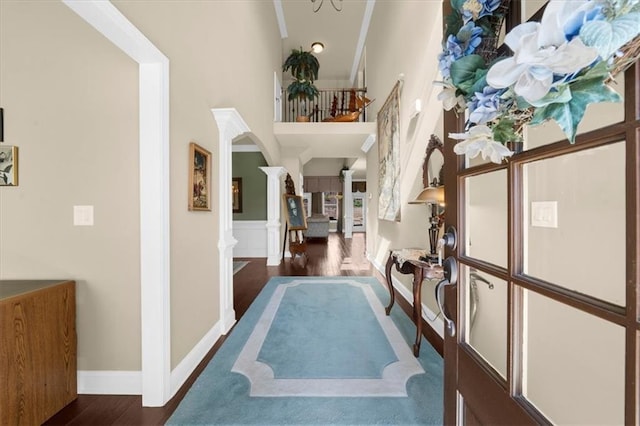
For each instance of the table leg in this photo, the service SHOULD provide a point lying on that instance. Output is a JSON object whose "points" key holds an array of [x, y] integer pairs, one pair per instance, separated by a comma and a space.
{"points": [[387, 272], [418, 276]]}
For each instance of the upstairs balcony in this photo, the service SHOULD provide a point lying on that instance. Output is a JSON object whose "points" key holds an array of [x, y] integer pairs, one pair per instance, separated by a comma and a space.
{"points": [[331, 105]]}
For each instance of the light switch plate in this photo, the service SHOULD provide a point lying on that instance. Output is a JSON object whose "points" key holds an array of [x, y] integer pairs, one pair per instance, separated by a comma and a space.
{"points": [[83, 215], [544, 214]]}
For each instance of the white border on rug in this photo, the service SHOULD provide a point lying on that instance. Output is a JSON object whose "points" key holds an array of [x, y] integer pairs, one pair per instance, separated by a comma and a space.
{"points": [[264, 384]]}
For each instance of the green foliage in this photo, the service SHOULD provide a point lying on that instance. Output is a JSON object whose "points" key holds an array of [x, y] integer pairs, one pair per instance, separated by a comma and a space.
{"points": [[467, 71], [304, 68], [504, 131], [607, 37], [303, 65], [584, 91], [302, 90]]}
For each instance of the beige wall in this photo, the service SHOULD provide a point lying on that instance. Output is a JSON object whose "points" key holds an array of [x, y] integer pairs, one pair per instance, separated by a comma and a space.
{"points": [[71, 105], [404, 37], [71, 96]]}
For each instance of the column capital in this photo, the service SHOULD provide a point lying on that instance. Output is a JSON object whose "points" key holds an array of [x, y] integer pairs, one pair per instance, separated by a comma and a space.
{"points": [[275, 171]]}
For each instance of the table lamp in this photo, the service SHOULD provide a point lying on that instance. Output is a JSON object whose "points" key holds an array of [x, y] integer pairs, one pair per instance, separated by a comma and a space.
{"points": [[434, 195]]}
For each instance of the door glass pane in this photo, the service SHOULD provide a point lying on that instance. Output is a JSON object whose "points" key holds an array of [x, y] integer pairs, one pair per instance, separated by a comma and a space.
{"points": [[486, 316], [530, 7], [486, 215], [574, 217], [597, 115], [573, 364]]}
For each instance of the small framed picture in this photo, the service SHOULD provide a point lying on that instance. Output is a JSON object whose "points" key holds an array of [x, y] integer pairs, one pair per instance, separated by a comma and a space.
{"points": [[199, 178], [8, 165], [236, 188], [296, 218]]}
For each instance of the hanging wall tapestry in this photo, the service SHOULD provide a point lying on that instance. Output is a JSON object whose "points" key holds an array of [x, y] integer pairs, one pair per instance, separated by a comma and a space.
{"points": [[389, 157]]}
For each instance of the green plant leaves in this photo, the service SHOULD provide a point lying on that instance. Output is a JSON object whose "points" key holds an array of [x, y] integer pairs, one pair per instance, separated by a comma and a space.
{"points": [[467, 71], [569, 114], [609, 36]]}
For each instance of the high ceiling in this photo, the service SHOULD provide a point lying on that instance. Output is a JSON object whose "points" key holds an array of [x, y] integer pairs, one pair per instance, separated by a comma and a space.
{"points": [[340, 32], [343, 35]]}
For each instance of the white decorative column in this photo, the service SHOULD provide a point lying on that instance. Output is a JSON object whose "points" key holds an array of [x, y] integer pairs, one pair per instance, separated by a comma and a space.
{"points": [[347, 202], [273, 213], [230, 125]]}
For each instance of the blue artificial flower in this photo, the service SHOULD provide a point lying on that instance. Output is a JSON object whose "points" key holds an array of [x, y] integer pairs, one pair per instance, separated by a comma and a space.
{"points": [[592, 11], [469, 37], [485, 106], [462, 44], [476, 9]]}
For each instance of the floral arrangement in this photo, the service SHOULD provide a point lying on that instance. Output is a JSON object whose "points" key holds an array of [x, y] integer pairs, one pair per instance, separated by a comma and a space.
{"points": [[559, 66]]}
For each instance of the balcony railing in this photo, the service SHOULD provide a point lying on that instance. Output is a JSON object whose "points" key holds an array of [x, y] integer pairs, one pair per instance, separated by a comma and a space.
{"points": [[330, 105]]}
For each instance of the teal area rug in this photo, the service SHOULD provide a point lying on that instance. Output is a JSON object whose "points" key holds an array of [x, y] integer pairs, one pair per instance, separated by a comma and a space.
{"points": [[318, 351], [239, 264]]}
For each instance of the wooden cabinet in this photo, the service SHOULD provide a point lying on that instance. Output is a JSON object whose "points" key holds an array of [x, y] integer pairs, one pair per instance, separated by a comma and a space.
{"points": [[38, 344], [322, 184]]}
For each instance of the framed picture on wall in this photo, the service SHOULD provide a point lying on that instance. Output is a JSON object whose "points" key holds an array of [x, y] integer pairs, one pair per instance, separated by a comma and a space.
{"points": [[8, 165], [236, 188], [294, 208], [199, 178]]}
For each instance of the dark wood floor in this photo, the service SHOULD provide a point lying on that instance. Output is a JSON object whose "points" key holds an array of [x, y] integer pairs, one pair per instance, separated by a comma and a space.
{"points": [[332, 257]]}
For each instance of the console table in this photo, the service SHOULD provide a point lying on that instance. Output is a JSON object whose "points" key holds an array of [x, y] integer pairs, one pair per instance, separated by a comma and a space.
{"points": [[37, 349], [407, 261]]}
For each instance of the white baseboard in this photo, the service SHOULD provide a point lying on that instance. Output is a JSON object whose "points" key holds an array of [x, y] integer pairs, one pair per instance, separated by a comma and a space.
{"points": [[130, 382], [437, 324], [110, 382], [183, 370]]}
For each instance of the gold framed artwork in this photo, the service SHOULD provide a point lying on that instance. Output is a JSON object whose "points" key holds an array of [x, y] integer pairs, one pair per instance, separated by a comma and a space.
{"points": [[8, 165], [294, 208], [199, 178], [236, 191]]}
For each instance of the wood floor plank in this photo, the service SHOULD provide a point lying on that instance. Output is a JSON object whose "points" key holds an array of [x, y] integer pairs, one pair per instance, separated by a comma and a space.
{"points": [[335, 256]]}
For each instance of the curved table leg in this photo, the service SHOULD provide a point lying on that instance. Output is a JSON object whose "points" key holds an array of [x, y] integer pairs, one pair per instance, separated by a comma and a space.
{"points": [[418, 276], [387, 272]]}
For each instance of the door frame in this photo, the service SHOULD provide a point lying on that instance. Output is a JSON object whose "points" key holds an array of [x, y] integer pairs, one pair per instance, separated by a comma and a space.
{"points": [[463, 371]]}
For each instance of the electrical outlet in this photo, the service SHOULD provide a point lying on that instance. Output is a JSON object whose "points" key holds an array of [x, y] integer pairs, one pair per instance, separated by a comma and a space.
{"points": [[83, 215]]}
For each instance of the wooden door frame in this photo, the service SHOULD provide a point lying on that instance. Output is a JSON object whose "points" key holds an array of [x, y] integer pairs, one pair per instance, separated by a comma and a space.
{"points": [[494, 392]]}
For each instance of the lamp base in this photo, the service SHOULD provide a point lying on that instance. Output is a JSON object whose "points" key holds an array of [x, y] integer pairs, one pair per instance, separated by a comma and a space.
{"points": [[429, 258]]}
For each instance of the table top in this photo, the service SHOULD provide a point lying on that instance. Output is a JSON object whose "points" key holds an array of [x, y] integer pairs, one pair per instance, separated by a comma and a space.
{"points": [[413, 255], [11, 288]]}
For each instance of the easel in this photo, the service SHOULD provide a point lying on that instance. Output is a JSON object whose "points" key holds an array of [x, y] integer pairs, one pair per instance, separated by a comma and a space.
{"points": [[297, 242]]}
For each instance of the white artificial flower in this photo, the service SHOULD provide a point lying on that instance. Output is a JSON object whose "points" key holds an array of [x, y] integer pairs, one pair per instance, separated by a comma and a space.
{"points": [[449, 98], [540, 52], [479, 140]]}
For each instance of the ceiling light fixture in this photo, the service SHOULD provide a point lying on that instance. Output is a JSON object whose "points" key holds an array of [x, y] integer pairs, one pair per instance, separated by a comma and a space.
{"points": [[317, 47], [333, 3]]}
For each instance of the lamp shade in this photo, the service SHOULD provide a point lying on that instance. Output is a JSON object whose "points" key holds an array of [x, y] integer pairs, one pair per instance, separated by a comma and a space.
{"points": [[430, 195]]}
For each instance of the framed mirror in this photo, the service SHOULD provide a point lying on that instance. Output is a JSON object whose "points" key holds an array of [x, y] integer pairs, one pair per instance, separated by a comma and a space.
{"points": [[433, 167]]}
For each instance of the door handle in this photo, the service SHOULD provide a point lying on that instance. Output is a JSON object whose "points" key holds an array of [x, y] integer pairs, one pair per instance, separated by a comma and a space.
{"points": [[450, 278]]}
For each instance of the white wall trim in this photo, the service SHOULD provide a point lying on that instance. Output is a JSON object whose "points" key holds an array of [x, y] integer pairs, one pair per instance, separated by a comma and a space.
{"points": [[273, 213], [189, 363], [130, 382], [109, 382], [277, 4], [252, 238], [245, 148], [230, 125], [364, 29], [437, 325], [154, 193]]}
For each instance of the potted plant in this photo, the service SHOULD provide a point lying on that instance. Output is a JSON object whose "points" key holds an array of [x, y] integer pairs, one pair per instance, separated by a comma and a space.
{"points": [[304, 70]]}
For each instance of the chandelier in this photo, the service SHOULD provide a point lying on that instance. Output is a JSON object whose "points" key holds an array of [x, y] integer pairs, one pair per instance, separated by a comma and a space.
{"points": [[333, 3]]}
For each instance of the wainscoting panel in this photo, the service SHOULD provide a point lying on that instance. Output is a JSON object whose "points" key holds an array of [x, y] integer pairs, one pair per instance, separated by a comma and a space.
{"points": [[252, 238]]}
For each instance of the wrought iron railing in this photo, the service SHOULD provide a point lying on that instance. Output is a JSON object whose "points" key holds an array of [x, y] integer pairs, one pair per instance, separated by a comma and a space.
{"points": [[329, 105]]}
